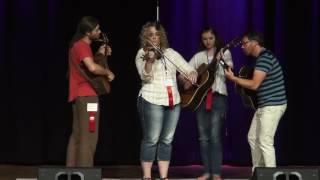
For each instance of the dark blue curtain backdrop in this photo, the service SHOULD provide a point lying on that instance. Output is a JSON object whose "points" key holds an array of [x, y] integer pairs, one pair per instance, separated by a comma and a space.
{"points": [[36, 118], [291, 32]]}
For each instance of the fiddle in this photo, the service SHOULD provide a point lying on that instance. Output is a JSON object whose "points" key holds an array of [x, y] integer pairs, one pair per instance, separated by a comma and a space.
{"points": [[152, 52]]}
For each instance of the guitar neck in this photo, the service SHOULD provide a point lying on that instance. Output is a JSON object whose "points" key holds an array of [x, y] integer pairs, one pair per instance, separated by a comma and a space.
{"points": [[224, 64], [236, 41]]}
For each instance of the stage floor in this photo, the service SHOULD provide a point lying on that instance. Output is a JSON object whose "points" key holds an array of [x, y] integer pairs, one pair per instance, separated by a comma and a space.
{"points": [[125, 179], [18, 172]]}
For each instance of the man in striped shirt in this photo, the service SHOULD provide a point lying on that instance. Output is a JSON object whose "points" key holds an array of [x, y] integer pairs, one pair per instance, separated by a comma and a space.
{"points": [[268, 82]]}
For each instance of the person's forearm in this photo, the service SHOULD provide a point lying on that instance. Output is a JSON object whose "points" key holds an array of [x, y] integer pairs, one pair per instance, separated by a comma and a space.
{"points": [[246, 83], [99, 70]]}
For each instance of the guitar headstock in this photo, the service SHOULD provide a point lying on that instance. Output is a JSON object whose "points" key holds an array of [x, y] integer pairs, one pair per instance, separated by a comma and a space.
{"points": [[234, 42], [97, 43], [104, 38]]}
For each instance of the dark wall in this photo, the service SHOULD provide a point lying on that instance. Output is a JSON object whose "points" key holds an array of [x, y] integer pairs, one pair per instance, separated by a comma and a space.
{"points": [[36, 119]]}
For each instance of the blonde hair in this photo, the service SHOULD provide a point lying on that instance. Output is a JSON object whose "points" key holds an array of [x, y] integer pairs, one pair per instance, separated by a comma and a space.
{"points": [[164, 44]]}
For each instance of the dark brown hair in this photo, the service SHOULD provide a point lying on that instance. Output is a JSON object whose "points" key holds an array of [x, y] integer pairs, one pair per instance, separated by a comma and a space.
{"points": [[218, 43], [85, 25], [254, 36]]}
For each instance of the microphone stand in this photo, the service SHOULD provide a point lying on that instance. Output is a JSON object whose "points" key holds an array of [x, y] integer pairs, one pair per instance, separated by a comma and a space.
{"points": [[157, 10], [158, 49]]}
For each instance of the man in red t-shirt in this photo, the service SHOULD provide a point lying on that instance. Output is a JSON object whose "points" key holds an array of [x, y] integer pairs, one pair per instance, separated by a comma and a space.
{"points": [[85, 102]]}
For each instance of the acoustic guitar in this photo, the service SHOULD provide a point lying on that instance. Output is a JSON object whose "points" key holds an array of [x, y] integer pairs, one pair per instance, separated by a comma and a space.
{"points": [[248, 96], [191, 98], [100, 84]]}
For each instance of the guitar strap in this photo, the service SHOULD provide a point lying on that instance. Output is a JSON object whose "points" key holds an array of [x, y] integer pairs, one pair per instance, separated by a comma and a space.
{"points": [[80, 70], [96, 88]]}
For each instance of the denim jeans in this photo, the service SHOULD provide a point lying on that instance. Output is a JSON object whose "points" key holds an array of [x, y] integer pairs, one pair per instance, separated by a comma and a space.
{"points": [[158, 127], [209, 127]]}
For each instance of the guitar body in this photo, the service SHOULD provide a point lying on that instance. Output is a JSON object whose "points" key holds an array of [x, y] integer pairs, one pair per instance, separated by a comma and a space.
{"points": [[248, 96], [192, 97], [100, 84], [102, 61]]}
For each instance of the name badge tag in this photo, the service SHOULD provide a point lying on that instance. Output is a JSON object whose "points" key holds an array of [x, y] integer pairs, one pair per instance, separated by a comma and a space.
{"points": [[92, 107], [168, 82]]}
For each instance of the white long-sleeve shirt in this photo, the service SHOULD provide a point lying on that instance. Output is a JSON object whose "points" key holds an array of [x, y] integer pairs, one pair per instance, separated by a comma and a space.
{"points": [[219, 84], [154, 89]]}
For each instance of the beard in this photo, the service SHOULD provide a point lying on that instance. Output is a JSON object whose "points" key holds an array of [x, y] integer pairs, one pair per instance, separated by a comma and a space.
{"points": [[94, 38]]}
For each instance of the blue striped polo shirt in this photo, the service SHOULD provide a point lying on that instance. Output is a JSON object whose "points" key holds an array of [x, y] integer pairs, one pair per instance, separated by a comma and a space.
{"points": [[272, 89]]}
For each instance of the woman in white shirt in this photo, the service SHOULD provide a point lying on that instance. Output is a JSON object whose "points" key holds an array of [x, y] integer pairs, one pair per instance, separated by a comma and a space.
{"points": [[211, 112], [158, 100]]}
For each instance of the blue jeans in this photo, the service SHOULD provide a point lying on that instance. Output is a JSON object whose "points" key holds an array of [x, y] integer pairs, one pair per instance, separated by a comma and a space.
{"points": [[209, 127], [158, 127]]}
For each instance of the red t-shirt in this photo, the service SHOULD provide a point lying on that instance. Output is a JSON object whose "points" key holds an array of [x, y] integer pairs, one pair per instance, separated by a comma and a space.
{"points": [[78, 85]]}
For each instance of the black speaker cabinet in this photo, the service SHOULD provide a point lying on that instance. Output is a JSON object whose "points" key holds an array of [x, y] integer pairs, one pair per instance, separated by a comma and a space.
{"points": [[265, 173], [56, 173]]}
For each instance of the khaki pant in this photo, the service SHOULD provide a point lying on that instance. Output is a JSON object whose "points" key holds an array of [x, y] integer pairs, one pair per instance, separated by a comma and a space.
{"points": [[82, 142], [261, 135]]}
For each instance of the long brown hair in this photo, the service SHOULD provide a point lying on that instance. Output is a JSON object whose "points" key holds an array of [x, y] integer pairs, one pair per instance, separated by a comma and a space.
{"points": [[85, 25]]}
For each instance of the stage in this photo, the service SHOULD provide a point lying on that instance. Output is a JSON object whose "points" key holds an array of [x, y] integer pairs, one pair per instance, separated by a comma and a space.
{"points": [[20, 172]]}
